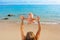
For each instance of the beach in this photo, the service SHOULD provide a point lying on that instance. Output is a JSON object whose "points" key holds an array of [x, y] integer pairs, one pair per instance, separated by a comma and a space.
{"points": [[10, 21], [11, 31]]}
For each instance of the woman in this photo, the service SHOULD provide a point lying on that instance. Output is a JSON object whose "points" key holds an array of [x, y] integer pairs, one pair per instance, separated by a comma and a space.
{"points": [[30, 35]]}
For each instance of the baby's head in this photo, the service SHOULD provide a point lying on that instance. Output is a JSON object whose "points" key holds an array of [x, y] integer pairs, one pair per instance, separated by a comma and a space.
{"points": [[31, 15]]}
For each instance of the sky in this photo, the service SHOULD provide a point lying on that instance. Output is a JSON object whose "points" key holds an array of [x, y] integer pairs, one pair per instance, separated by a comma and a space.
{"points": [[8, 2]]}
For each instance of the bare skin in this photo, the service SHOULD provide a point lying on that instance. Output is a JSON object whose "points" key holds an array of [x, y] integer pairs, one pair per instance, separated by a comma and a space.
{"points": [[29, 19], [39, 28], [22, 25]]}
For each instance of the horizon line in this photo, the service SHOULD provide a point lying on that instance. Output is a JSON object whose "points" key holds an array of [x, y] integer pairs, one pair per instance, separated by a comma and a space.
{"points": [[25, 3]]}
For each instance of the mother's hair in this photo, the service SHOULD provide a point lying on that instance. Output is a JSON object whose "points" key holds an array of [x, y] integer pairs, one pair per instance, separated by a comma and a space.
{"points": [[30, 36]]}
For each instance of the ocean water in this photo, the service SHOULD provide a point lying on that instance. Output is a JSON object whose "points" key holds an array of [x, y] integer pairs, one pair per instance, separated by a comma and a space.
{"points": [[47, 13]]}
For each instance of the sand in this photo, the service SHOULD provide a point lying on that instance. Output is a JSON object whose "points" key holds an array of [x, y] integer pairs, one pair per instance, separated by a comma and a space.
{"points": [[11, 31]]}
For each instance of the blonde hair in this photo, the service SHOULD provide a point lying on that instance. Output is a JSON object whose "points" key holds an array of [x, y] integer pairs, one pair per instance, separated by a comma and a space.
{"points": [[30, 36], [31, 15]]}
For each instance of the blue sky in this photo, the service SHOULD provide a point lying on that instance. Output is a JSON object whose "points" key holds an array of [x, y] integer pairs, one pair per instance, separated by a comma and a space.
{"points": [[3, 2]]}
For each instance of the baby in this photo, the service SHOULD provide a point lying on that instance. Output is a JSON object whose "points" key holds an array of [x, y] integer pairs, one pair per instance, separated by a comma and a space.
{"points": [[29, 19]]}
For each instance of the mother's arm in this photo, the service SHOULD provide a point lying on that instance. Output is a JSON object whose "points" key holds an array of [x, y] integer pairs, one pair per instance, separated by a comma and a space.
{"points": [[39, 28], [21, 27]]}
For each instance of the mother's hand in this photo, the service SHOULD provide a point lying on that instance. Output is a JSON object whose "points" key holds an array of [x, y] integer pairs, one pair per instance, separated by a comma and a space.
{"points": [[38, 18], [22, 17]]}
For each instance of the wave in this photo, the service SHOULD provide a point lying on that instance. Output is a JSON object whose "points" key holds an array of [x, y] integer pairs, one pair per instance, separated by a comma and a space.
{"points": [[49, 22], [18, 21]]}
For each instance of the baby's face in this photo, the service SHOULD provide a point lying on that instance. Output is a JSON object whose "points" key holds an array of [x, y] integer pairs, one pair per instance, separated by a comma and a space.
{"points": [[30, 15]]}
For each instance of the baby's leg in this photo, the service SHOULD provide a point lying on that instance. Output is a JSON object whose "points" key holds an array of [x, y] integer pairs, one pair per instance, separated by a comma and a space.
{"points": [[31, 21]]}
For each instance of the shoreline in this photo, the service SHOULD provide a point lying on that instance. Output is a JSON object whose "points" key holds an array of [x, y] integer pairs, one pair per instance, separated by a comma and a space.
{"points": [[15, 21]]}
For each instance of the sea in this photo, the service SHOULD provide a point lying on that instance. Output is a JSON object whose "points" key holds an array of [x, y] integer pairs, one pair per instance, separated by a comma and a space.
{"points": [[49, 14]]}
